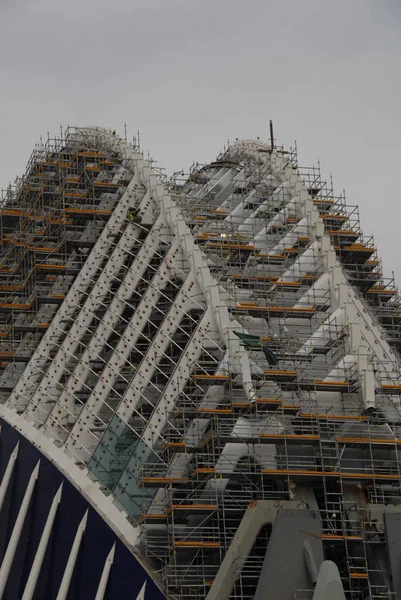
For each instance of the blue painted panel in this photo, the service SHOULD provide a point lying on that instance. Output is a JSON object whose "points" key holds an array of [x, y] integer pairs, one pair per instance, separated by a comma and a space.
{"points": [[127, 575]]}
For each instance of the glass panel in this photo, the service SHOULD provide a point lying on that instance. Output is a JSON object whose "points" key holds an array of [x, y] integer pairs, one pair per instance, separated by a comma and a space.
{"points": [[118, 463]]}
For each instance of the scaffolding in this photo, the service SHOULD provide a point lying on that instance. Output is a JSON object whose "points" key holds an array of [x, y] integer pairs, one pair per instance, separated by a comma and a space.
{"points": [[50, 220], [251, 355], [292, 434]]}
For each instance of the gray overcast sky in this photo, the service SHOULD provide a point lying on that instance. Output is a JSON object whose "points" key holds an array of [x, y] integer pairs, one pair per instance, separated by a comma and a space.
{"points": [[191, 73]]}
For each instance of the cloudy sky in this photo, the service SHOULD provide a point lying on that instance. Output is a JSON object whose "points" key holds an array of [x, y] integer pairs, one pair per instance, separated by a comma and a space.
{"points": [[191, 73]]}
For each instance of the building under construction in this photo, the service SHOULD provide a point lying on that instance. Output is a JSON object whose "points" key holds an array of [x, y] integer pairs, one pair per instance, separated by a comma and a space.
{"points": [[200, 381]]}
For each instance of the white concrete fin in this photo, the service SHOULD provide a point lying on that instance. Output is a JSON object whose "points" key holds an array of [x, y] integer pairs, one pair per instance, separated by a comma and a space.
{"points": [[7, 475], [101, 590], [16, 533], [72, 559], [141, 595], [42, 547]]}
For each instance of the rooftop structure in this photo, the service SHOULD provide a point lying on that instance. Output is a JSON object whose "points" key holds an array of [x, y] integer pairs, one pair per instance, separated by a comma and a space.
{"points": [[213, 361]]}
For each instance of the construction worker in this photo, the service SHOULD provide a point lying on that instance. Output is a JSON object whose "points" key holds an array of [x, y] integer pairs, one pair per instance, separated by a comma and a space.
{"points": [[133, 215]]}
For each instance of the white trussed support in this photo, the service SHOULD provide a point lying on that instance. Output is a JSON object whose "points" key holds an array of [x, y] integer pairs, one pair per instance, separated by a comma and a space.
{"points": [[7, 475], [101, 590], [15, 536], [72, 559], [206, 282], [363, 353], [41, 551], [96, 345], [156, 422], [31, 386], [329, 258]]}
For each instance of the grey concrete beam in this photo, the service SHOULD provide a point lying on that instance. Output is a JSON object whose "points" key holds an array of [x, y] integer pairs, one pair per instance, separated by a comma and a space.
{"points": [[329, 585], [258, 514], [294, 555]]}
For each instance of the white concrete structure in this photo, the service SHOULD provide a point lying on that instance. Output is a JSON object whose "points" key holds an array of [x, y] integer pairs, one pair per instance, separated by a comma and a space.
{"points": [[227, 338]]}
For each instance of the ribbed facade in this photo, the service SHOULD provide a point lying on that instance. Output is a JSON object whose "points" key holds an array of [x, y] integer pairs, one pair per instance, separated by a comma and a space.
{"points": [[212, 360]]}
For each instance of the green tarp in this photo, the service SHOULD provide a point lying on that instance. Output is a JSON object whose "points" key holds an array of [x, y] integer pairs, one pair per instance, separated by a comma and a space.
{"points": [[253, 342], [270, 356]]}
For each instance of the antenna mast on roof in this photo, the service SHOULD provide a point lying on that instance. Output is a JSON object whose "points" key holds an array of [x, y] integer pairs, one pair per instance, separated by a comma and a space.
{"points": [[271, 135]]}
